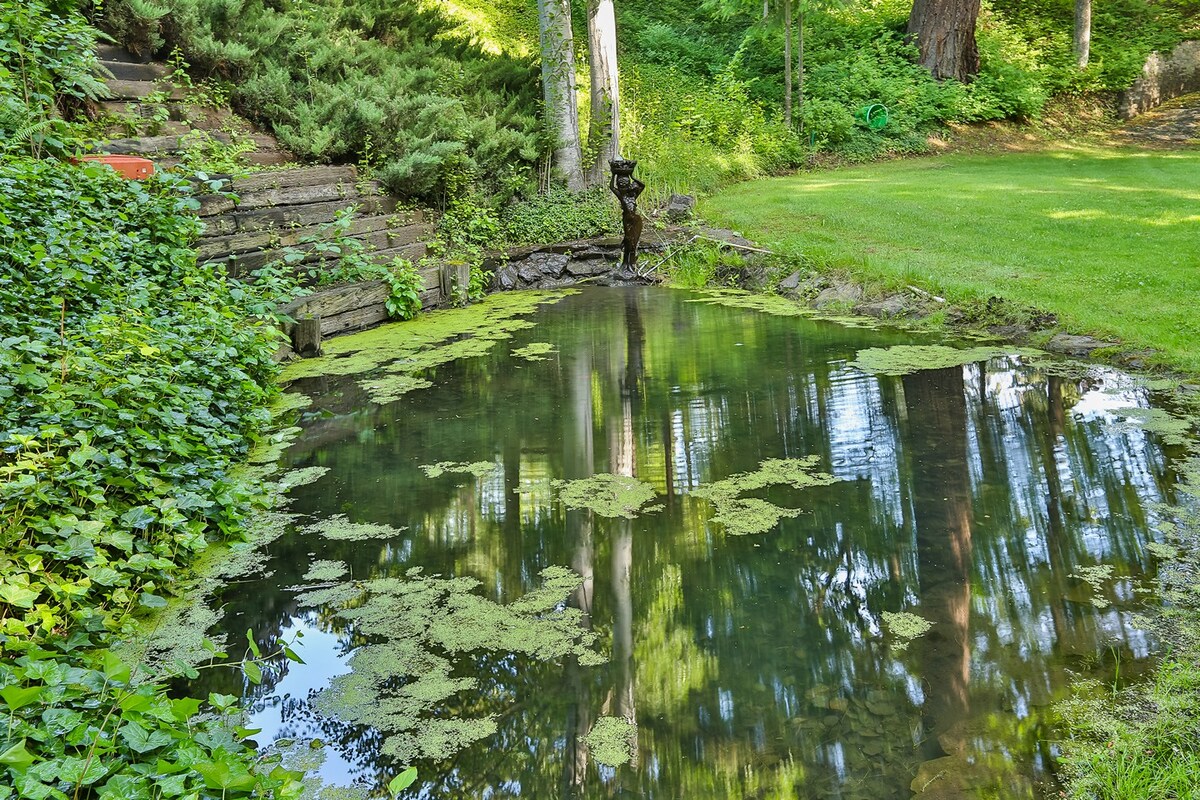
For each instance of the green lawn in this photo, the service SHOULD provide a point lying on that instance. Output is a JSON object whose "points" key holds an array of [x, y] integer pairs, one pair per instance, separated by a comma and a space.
{"points": [[1109, 240]]}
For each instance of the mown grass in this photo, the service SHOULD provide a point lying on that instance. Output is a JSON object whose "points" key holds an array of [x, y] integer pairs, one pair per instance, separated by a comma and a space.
{"points": [[1108, 239]]}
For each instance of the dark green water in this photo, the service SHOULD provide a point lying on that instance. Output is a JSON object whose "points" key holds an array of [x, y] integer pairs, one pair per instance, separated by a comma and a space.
{"points": [[754, 666]]}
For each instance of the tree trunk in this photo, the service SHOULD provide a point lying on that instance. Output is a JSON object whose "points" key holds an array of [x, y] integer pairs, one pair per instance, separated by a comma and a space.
{"points": [[604, 131], [558, 88], [944, 31], [800, 60], [1083, 32], [787, 63]]}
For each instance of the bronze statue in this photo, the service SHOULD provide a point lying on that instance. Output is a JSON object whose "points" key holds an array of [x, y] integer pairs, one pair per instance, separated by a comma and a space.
{"points": [[627, 188]]}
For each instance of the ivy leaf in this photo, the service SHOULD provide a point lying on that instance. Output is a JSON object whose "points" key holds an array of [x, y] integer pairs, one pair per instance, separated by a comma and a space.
{"points": [[115, 669], [224, 776], [141, 740], [19, 596], [18, 697], [138, 517], [81, 771], [17, 757], [148, 600]]}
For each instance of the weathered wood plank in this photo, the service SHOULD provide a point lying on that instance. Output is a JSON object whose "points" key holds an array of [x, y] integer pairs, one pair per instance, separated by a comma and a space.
{"points": [[289, 178], [134, 71], [311, 214], [139, 90], [382, 231], [296, 195], [339, 300]]}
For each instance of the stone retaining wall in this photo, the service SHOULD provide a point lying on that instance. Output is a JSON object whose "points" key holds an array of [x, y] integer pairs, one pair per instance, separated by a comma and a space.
{"points": [[1163, 79]]}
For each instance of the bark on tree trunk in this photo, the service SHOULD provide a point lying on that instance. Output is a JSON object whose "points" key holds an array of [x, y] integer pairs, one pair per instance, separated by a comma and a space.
{"points": [[558, 88], [800, 61], [604, 130], [1083, 32], [944, 31], [787, 63]]}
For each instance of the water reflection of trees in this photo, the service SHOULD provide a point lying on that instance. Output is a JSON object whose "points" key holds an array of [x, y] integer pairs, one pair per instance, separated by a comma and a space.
{"points": [[754, 667]]}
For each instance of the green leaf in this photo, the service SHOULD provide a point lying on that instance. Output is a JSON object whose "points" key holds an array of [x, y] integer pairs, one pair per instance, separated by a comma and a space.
{"points": [[19, 596], [253, 672], [402, 781], [141, 740], [253, 644], [81, 771], [20, 696], [138, 517], [17, 757], [291, 655], [148, 600], [225, 776], [115, 669]]}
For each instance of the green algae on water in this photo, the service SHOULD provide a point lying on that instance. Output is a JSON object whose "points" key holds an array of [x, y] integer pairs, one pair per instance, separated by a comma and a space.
{"points": [[766, 303], [612, 741], [905, 626], [391, 387], [1169, 429], [340, 528], [905, 359], [535, 351], [1095, 576], [480, 469], [324, 571], [300, 477], [607, 495], [417, 627], [743, 516], [429, 340]]}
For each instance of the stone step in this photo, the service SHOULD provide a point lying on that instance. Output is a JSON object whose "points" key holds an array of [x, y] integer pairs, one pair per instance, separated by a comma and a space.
{"points": [[140, 90], [397, 229], [410, 252], [293, 216], [135, 71]]}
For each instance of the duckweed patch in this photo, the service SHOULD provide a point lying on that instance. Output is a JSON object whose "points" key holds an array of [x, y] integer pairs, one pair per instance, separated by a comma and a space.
{"points": [[405, 348], [905, 626], [612, 741], [1095, 576], [324, 571], [1169, 428], [905, 359], [766, 303], [743, 516], [607, 495], [402, 681], [535, 351], [340, 528], [1166, 552], [389, 388], [480, 469], [300, 477]]}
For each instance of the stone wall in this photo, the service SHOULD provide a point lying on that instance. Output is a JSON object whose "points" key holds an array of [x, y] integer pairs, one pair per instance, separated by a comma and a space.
{"points": [[590, 261], [1163, 79]]}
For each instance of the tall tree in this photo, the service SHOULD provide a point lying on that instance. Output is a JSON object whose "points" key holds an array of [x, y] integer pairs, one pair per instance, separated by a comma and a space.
{"points": [[604, 129], [558, 88], [1083, 32], [787, 62], [944, 31]]}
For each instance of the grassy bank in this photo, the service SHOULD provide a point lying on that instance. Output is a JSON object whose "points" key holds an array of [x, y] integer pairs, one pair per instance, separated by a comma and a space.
{"points": [[1103, 238]]}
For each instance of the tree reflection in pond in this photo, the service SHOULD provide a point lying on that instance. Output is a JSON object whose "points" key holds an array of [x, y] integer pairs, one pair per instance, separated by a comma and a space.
{"points": [[751, 666]]}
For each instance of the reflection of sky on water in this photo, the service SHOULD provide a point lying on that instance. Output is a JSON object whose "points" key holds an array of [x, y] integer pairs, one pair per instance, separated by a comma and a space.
{"points": [[738, 643]]}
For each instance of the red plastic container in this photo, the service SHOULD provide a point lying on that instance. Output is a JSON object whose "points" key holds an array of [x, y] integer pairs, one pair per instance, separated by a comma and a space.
{"points": [[135, 168]]}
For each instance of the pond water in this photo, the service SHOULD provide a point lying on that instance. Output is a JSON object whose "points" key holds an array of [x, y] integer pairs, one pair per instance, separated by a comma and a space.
{"points": [[1005, 505]]}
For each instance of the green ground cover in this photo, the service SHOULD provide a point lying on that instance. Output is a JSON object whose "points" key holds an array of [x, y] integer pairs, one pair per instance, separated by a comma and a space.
{"points": [[1103, 238]]}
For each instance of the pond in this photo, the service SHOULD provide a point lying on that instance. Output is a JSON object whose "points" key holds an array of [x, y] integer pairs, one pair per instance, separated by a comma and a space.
{"points": [[648, 543]]}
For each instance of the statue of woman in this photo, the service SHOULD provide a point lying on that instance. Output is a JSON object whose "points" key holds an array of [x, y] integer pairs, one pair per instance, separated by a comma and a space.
{"points": [[627, 188]]}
